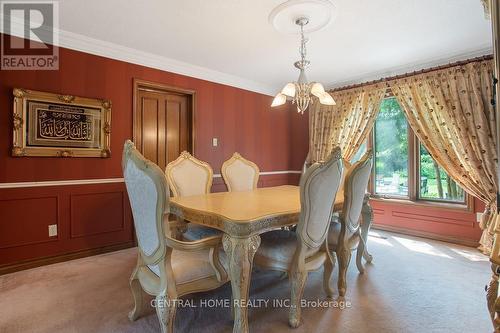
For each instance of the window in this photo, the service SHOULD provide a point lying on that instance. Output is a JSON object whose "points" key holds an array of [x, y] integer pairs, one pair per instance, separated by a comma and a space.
{"points": [[391, 150], [403, 169], [435, 184], [361, 151]]}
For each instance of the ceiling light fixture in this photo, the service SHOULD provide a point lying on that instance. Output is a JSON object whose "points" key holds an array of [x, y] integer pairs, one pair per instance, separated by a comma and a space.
{"points": [[301, 92]]}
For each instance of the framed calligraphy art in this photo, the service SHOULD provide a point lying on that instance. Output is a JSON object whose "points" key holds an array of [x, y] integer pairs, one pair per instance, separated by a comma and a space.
{"points": [[47, 124]]}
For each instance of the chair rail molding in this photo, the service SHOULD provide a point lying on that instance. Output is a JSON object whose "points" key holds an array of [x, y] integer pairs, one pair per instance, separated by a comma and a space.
{"points": [[61, 183], [110, 180]]}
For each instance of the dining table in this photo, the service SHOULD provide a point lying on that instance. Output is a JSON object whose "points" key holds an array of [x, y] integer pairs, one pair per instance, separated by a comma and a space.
{"points": [[242, 217]]}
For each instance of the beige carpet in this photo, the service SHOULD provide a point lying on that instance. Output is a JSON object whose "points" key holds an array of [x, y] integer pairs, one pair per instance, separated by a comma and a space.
{"points": [[413, 285]]}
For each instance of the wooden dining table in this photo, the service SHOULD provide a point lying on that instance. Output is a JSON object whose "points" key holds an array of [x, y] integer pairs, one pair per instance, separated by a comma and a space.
{"points": [[243, 216]]}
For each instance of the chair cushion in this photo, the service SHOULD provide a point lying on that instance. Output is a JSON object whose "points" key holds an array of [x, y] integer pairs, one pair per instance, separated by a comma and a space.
{"points": [[279, 245], [195, 232], [333, 236], [190, 266], [143, 197]]}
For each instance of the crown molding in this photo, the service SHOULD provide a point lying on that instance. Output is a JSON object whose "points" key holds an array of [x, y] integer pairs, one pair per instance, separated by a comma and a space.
{"points": [[411, 67], [77, 42]]}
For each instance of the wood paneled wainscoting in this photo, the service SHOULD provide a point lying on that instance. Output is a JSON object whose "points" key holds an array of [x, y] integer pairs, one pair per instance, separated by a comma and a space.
{"points": [[90, 219]]}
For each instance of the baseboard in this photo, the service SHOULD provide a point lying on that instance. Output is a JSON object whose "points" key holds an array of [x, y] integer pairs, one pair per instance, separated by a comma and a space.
{"points": [[32, 263], [429, 235]]}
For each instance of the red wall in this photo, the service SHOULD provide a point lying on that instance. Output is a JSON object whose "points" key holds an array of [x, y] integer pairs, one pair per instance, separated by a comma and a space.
{"points": [[90, 216], [93, 216], [457, 225]]}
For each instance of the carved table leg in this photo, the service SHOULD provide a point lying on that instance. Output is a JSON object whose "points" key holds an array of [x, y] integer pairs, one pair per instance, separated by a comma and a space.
{"points": [[240, 252], [493, 300]]}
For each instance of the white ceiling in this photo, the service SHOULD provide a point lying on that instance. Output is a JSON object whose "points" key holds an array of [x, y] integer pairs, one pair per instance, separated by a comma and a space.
{"points": [[233, 40]]}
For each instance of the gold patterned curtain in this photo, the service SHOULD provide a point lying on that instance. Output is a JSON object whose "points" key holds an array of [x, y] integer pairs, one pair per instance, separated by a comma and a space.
{"points": [[345, 124], [450, 112]]}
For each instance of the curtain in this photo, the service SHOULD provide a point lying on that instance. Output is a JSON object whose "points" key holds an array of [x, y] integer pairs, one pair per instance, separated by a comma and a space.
{"points": [[345, 124], [486, 5], [451, 114]]}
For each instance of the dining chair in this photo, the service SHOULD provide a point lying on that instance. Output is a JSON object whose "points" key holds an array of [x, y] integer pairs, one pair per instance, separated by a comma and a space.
{"points": [[297, 253], [240, 174], [347, 232], [340, 193], [188, 176], [166, 268]]}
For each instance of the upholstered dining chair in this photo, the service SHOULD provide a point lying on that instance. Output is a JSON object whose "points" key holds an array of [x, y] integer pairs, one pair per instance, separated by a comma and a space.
{"points": [[347, 233], [166, 268], [345, 166], [297, 253], [240, 174], [188, 176]]}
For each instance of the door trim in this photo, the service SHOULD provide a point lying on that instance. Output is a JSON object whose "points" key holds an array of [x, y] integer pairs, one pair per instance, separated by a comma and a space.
{"points": [[145, 85]]}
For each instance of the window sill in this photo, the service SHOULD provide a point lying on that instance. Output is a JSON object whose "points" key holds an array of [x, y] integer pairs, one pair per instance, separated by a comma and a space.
{"points": [[465, 207]]}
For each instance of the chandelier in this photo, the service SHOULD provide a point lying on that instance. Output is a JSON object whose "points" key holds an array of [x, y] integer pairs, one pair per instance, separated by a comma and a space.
{"points": [[301, 92]]}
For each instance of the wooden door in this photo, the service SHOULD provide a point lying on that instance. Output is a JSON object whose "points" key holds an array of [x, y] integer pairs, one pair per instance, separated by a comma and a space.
{"points": [[162, 124]]}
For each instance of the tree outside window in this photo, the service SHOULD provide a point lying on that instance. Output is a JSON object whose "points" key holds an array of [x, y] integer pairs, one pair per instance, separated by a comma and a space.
{"points": [[391, 150], [395, 158]]}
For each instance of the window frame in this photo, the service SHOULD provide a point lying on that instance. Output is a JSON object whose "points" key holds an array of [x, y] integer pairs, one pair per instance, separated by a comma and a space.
{"points": [[413, 197], [417, 193]]}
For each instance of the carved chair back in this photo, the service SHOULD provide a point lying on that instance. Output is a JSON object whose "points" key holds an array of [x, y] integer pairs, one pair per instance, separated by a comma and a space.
{"points": [[356, 182], [240, 174], [148, 194], [318, 188], [188, 175]]}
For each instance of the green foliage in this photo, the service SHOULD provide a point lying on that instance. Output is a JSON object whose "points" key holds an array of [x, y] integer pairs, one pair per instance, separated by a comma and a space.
{"points": [[391, 147], [391, 139]]}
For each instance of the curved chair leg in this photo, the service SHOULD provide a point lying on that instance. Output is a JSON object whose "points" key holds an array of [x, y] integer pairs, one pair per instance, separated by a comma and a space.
{"points": [[327, 275], [359, 256], [344, 257], [135, 287], [368, 257], [232, 306], [219, 270], [165, 310], [367, 214], [297, 281]]}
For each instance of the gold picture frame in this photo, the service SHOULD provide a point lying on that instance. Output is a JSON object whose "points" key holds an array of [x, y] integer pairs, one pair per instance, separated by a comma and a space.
{"points": [[47, 124]]}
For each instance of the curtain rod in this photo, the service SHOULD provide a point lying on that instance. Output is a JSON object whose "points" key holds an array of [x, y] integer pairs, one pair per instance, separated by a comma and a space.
{"points": [[425, 70]]}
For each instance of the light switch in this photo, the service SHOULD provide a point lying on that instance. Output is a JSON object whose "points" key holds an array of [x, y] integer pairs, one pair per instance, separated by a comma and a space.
{"points": [[52, 230], [215, 142], [478, 217]]}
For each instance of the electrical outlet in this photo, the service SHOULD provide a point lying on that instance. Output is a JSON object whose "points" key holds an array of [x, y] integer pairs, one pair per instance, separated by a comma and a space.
{"points": [[52, 230], [478, 217], [215, 142]]}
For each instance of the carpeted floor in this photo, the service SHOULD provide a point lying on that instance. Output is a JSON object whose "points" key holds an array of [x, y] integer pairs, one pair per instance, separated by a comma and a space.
{"points": [[413, 285]]}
